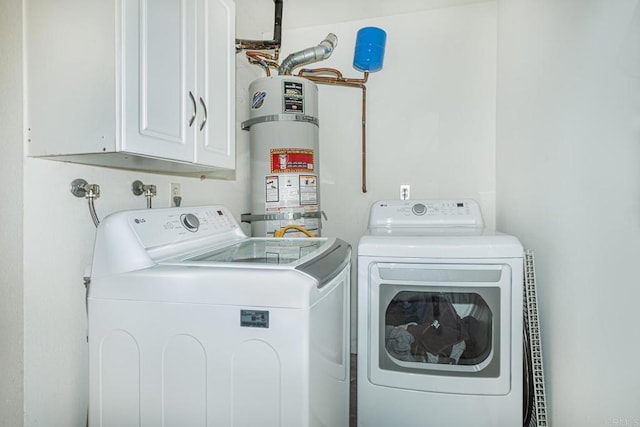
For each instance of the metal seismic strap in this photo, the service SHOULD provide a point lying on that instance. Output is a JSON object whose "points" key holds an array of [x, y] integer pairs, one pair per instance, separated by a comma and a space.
{"points": [[286, 216]]}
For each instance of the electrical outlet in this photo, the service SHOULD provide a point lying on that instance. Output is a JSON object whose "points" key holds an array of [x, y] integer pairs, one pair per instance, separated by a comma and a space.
{"points": [[405, 192], [175, 194]]}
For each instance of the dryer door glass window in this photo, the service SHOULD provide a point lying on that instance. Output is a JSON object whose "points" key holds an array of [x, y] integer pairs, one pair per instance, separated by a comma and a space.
{"points": [[440, 319], [450, 328]]}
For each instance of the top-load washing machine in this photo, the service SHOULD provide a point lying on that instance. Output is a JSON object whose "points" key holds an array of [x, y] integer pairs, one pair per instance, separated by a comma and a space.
{"points": [[439, 318], [191, 323]]}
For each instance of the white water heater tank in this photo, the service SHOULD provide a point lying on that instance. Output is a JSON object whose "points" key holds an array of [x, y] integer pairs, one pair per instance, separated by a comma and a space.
{"points": [[283, 126]]}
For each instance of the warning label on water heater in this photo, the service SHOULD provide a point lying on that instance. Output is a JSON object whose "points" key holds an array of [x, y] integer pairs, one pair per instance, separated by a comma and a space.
{"points": [[291, 191], [291, 160], [293, 99]]}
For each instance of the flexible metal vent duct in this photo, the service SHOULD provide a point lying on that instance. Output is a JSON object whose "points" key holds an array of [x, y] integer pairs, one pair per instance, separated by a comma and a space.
{"points": [[309, 55]]}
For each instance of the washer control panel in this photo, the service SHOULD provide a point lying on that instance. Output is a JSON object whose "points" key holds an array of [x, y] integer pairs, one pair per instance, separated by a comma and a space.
{"points": [[425, 213], [156, 227]]}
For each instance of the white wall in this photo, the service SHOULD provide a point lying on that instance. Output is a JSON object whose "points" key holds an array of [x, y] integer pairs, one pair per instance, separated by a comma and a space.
{"points": [[11, 301], [430, 112], [568, 183]]}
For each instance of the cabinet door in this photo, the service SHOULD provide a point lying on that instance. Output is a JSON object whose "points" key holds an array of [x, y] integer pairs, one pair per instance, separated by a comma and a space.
{"points": [[215, 144], [158, 39]]}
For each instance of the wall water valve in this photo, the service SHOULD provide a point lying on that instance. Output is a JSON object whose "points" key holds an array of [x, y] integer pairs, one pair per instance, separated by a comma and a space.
{"points": [[138, 189], [81, 188]]}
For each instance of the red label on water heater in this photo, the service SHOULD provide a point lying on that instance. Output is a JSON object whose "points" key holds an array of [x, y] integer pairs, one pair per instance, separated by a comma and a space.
{"points": [[291, 160]]}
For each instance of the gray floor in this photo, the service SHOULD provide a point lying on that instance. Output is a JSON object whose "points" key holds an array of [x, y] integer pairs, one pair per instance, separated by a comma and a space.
{"points": [[353, 393]]}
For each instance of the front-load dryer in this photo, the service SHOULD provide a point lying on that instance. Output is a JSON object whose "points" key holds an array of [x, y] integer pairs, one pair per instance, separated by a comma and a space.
{"points": [[192, 323], [439, 318]]}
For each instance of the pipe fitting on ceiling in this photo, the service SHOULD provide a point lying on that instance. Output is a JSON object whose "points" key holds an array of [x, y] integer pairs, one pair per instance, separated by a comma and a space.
{"points": [[274, 44]]}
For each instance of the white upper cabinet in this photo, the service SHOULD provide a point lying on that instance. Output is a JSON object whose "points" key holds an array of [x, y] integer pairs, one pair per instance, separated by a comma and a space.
{"points": [[216, 83], [135, 84], [158, 69]]}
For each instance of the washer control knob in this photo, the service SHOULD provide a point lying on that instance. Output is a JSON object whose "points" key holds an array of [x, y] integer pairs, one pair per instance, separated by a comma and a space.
{"points": [[190, 222], [419, 209]]}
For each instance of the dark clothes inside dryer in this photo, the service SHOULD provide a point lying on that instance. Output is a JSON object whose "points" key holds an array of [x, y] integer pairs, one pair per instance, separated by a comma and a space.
{"points": [[428, 327]]}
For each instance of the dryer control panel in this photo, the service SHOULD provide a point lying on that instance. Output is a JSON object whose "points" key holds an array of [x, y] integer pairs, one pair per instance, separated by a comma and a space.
{"points": [[426, 213]]}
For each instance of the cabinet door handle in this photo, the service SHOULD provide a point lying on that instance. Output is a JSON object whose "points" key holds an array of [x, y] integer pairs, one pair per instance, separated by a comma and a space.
{"points": [[204, 121], [195, 108]]}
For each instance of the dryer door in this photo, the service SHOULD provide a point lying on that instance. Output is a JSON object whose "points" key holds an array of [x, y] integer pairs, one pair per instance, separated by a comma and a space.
{"points": [[440, 327]]}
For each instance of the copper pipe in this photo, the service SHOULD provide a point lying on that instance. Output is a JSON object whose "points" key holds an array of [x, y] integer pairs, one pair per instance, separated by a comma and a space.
{"points": [[337, 73], [333, 71], [263, 60], [264, 55], [340, 81]]}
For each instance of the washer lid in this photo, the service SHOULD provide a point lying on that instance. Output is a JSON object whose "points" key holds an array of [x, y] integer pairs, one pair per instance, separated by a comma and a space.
{"points": [[249, 282], [261, 251], [320, 258]]}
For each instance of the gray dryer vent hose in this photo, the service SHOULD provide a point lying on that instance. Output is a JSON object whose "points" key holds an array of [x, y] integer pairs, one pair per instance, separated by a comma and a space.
{"points": [[309, 55]]}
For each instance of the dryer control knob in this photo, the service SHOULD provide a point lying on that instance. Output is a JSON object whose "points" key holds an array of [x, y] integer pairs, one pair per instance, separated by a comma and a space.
{"points": [[419, 209], [190, 222]]}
